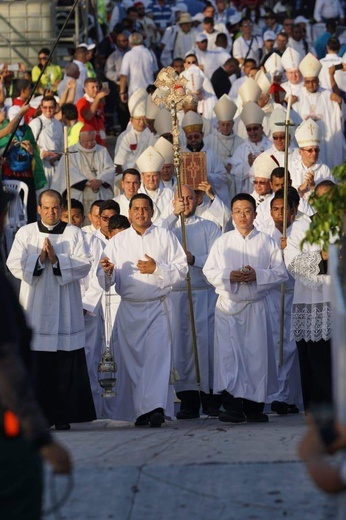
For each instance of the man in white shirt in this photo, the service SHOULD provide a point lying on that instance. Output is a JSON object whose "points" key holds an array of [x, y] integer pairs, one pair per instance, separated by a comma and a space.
{"points": [[130, 184]]}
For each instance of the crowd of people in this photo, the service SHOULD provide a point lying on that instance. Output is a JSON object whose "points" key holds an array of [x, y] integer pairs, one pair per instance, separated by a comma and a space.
{"points": [[117, 275]]}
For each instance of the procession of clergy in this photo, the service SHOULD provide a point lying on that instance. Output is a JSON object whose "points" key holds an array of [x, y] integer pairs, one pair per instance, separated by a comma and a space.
{"points": [[121, 281]]}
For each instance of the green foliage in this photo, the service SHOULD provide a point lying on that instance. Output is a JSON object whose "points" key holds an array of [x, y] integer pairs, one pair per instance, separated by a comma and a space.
{"points": [[330, 210]]}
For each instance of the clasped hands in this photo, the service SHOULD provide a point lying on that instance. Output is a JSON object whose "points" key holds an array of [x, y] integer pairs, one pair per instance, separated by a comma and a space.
{"points": [[48, 253]]}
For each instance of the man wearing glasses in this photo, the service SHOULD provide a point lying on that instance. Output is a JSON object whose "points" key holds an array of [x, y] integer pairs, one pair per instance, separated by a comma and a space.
{"points": [[307, 170]]}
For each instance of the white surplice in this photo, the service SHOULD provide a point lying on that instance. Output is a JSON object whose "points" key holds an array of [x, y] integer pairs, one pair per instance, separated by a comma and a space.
{"points": [[244, 358], [53, 303], [130, 145], [201, 234], [143, 326]]}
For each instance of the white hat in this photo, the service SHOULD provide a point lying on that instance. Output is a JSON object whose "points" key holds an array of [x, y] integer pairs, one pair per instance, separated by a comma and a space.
{"points": [[126, 4], [180, 6], [252, 114], [310, 66], [13, 111], [225, 108], [138, 103], [199, 17], [150, 161], [235, 18], [269, 35], [201, 38], [308, 133], [151, 110], [249, 91], [277, 116], [262, 81], [195, 78], [263, 165], [165, 148], [273, 64], [301, 19], [163, 122], [290, 59], [192, 122], [185, 18]]}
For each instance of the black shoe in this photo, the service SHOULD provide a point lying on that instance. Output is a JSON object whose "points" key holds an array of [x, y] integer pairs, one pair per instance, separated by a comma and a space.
{"points": [[292, 408], [142, 420], [187, 415], [62, 426], [212, 412], [279, 407], [257, 417], [232, 416], [156, 419]]}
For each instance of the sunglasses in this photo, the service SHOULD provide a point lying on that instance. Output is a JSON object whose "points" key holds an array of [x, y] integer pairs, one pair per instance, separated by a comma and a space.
{"points": [[278, 137], [43, 58], [262, 183], [252, 128], [311, 150]]}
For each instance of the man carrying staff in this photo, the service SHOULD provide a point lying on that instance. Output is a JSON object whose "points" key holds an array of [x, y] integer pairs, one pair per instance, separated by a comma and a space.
{"points": [[143, 262]]}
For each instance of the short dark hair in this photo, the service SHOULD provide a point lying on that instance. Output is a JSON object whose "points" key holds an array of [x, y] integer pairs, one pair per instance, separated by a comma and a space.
{"points": [[279, 172], [45, 51], [109, 204], [244, 196], [327, 183], [250, 60], [50, 193], [91, 80], [208, 20], [69, 110], [49, 98], [333, 44], [75, 204], [132, 171], [142, 196], [118, 222], [22, 84], [279, 195], [97, 203]]}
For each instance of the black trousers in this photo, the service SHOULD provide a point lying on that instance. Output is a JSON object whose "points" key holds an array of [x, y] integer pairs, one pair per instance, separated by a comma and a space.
{"points": [[238, 404], [62, 386], [315, 372], [191, 401]]}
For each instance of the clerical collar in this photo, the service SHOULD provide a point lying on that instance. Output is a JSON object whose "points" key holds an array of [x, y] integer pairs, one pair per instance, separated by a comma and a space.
{"points": [[57, 229]]}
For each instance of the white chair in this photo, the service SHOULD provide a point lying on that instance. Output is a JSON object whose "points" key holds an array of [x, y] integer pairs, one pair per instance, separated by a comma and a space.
{"points": [[17, 215]]}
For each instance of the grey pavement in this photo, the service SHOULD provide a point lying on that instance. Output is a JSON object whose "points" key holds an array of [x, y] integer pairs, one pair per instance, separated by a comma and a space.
{"points": [[193, 469]]}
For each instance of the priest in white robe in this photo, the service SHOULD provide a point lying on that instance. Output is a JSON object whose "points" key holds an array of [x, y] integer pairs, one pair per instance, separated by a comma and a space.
{"points": [[91, 170], [201, 234], [50, 257], [144, 262], [243, 266]]}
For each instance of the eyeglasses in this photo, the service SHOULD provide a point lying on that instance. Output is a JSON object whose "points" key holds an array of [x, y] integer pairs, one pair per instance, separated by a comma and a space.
{"points": [[105, 219], [141, 119], [262, 183], [278, 137], [189, 137], [245, 212], [247, 25], [311, 150], [45, 58], [252, 128]]}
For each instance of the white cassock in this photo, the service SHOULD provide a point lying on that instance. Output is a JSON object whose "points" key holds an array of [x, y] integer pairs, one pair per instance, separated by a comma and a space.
{"points": [[124, 204], [171, 184], [311, 316], [240, 163], [292, 89], [49, 136], [329, 117], [53, 303], [162, 198], [130, 145], [244, 358], [143, 326], [263, 217], [214, 210], [299, 172], [86, 165], [289, 387], [201, 234], [93, 319]]}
